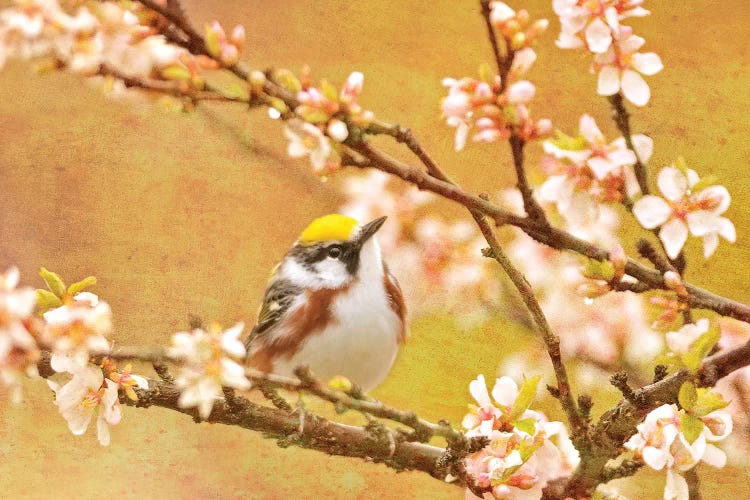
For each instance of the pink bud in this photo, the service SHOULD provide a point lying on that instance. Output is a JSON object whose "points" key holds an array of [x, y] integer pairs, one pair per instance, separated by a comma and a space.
{"points": [[618, 259], [337, 130], [673, 281], [353, 86], [521, 92], [238, 36], [456, 105], [501, 13], [543, 127]]}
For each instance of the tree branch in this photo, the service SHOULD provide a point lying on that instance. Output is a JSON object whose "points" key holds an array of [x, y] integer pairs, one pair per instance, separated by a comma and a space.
{"points": [[305, 430]]}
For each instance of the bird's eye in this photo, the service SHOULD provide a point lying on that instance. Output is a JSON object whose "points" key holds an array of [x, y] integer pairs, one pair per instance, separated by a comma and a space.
{"points": [[334, 252]]}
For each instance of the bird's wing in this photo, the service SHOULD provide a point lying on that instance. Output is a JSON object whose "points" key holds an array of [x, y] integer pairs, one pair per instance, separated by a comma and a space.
{"points": [[396, 298], [279, 296]]}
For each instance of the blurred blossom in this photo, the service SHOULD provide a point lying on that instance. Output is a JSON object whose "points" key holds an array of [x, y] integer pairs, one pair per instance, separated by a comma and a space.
{"points": [[436, 261], [609, 332], [305, 139], [686, 205], [18, 348], [97, 39], [208, 362], [585, 171]]}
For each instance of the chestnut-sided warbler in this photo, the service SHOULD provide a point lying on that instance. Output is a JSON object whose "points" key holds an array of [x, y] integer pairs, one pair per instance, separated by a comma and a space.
{"points": [[331, 305]]}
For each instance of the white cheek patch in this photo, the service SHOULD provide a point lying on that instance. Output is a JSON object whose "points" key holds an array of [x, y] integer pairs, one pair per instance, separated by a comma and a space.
{"points": [[332, 271], [328, 273]]}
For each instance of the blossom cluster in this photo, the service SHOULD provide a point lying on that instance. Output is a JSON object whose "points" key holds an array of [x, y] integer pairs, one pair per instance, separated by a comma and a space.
{"points": [[498, 105], [208, 363], [596, 27], [323, 118], [115, 39], [525, 450], [672, 438], [585, 171]]}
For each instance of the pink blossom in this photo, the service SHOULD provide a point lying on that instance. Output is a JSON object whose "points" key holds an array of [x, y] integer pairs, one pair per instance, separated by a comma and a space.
{"points": [[620, 68], [686, 207], [593, 24]]}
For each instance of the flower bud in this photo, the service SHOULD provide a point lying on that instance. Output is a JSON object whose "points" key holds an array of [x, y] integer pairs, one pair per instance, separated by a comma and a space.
{"points": [[673, 281], [521, 92], [501, 14], [619, 260], [238, 36], [518, 41], [256, 78], [337, 130]]}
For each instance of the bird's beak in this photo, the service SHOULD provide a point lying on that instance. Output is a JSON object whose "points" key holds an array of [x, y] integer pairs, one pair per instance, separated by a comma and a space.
{"points": [[368, 230]]}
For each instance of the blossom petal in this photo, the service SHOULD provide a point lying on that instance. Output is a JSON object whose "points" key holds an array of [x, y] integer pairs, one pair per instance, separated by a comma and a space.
{"points": [[656, 458], [598, 36], [672, 183], [644, 146], [651, 211], [102, 431], [676, 488], [478, 390], [714, 456], [589, 130], [505, 391], [635, 88], [648, 63], [702, 222], [727, 230], [674, 235], [718, 196], [609, 81]]}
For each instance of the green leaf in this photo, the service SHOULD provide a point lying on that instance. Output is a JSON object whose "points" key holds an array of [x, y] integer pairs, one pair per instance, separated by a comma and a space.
{"points": [[705, 182], [329, 91], [569, 143], [53, 281], [176, 73], [700, 348], [81, 285], [485, 73], [527, 425], [687, 396], [691, 427], [708, 401], [525, 397], [286, 79], [278, 105], [238, 91], [312, 115], [46, 300], [212, 41]]}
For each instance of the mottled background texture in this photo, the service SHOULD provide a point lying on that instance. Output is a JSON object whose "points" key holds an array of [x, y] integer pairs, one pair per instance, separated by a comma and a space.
{"points": [[181, 214]]}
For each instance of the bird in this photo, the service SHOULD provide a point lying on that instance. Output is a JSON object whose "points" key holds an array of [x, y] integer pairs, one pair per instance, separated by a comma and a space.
{"points": [[332, 306]]}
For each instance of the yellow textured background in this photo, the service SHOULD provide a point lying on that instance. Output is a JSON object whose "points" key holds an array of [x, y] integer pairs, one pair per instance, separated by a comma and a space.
{"points": [[179, 214]]}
